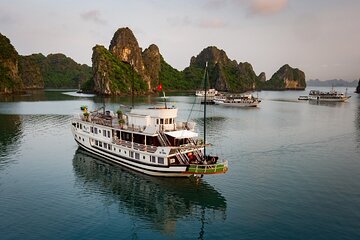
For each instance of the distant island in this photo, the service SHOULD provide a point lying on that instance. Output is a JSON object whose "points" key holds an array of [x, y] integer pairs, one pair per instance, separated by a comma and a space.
{"points": [[115, 70], [331, 83]]}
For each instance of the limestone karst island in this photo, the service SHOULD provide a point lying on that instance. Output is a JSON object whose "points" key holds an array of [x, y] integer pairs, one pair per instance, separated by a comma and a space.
{"points": [[114, 68]]}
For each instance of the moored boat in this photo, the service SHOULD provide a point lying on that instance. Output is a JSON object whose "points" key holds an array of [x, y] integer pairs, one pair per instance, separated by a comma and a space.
{"points": [[150, 141], [246, 100], [209, 93], [331, 96]]}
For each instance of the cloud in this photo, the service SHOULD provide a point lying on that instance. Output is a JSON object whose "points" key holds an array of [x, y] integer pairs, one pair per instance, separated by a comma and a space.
{"points": [[94, 16], [264, 7]]}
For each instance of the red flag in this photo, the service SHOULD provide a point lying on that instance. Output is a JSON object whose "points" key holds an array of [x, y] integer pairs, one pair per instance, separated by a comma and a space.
{"points": [[159, 87]]}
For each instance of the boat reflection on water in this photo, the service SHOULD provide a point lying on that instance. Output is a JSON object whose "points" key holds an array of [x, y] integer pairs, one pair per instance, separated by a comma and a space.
{"points": [[160, 201]]}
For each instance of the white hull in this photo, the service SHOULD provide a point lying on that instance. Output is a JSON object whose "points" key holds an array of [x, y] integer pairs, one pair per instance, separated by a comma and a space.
{"points": [[237, 104], [328, 99]]}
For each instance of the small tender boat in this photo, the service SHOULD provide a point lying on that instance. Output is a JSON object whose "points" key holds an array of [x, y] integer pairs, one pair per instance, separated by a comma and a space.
{"points": [[246, 100], [331, 96]]}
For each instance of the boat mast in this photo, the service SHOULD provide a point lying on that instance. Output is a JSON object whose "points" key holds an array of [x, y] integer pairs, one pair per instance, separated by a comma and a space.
{"points": [[205, 86], [103, 92], [132, 85]]}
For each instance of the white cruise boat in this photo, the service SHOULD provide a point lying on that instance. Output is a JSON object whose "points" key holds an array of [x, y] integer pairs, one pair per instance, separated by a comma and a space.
{"points": [[209, 93], [246, 100], [331, 96], [150, 141]]}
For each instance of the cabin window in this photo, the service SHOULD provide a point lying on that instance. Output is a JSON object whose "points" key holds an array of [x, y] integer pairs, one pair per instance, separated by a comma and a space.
{"points": [[80, 126], [95, 130], [152, 159], [166, 121], [109, 147], [137, 156], [100, 144], [77, 125], [105, 145], [160, 160], [104, 133], [91, 129], [144, 157], [170, 121], [161, 121], [157, 121], [108, 134], [131, 154], [96, 142], [119, 150]]}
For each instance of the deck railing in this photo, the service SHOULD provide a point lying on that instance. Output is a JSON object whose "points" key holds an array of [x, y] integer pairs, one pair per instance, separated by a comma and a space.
{"points": [[208, 168]]}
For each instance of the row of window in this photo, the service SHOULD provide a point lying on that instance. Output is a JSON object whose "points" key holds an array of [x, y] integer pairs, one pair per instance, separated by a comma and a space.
{"points": [[165, 121], [136, 155], [95, 130]]}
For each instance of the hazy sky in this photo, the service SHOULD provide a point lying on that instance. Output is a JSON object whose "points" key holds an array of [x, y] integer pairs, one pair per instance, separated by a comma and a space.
{"points": [[321, 37]]}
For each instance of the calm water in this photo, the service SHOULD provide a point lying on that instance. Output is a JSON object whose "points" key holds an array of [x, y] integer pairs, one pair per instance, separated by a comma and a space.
{"points": [[294, 174]]}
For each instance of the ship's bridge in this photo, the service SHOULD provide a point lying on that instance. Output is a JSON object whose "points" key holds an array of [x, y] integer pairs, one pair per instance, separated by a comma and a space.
{"points": [[156, 119]]}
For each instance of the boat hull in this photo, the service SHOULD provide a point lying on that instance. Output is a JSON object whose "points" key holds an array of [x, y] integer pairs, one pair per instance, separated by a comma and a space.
{"points": [[236, 104], [83, 141], [345, 99]]}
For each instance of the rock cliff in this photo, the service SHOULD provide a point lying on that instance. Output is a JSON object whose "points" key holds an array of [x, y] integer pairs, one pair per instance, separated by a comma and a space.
{"points": [[114, 69], [112, 76], [287, 78], [152, 63], [10, 81], [125, 47], [224, 74], [31, 71]]}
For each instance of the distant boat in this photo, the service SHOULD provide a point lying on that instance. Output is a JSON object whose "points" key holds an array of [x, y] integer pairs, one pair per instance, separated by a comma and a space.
{"points": [[331, 96], [246, 100], [209, 93], [303, 98]]}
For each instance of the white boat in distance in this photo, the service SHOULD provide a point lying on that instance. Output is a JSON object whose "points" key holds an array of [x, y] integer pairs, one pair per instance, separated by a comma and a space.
{"points": [[331, 96], [246, 100], [209, 93]]}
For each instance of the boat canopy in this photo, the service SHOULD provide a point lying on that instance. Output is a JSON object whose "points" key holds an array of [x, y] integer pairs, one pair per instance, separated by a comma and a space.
{"points": [[181, 134]]}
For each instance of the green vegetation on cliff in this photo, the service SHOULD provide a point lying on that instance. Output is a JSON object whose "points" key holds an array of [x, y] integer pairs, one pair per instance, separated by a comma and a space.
{"points": [[53, 71], [112, 76], [286, 78], [9, 78], [171, 78]]}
